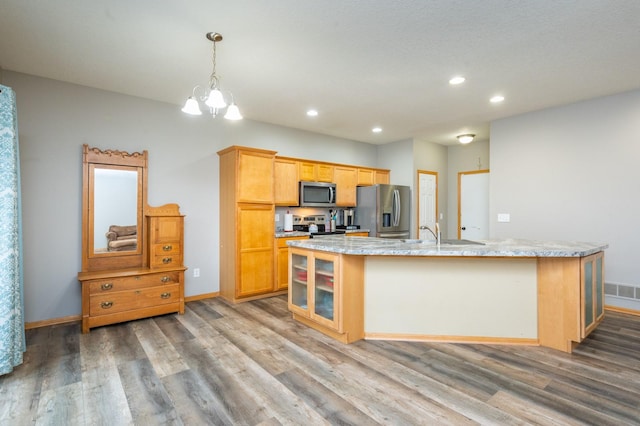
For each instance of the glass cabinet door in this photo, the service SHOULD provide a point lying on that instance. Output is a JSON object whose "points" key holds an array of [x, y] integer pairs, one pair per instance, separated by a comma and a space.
{"points": [[298, 290], [324, 300]]}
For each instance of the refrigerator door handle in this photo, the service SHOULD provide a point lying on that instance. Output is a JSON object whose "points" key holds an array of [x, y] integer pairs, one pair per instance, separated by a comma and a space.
{"points": [[396, 207]]}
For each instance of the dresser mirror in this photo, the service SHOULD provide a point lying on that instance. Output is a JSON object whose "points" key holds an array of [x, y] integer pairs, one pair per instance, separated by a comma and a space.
{"points": [[114, 198]]}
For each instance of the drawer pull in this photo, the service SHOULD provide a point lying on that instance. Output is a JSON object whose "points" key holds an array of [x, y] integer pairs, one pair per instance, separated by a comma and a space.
{"points": [[106, 305], [165, 279], [168, 247], [106, 286], [165, 295], [166, 260]]}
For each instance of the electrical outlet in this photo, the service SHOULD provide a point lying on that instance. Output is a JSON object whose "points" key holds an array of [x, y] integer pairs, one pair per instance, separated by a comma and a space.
{"points": [[196, 272]]}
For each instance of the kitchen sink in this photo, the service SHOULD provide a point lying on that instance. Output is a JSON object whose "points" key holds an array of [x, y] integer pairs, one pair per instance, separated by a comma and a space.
{"points": [[447, 242]]}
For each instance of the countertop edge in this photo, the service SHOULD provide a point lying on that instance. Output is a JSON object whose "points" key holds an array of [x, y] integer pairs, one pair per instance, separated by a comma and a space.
{"points": [[364, 246]]}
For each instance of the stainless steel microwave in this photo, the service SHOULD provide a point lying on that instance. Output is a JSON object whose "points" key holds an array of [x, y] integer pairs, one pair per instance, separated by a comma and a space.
{"points": [[317, 194]]}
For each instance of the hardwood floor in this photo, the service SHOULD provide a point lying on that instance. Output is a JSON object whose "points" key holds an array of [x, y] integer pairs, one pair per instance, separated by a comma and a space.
{"points": [[252, 364]]}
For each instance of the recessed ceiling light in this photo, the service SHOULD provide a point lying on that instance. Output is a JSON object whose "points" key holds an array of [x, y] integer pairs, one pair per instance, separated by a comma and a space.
{"points": [[456, 80], [376, 129], [496, 99], [312, 113]]}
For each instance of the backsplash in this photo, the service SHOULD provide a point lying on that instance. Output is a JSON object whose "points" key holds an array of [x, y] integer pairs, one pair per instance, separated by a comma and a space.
{"points": [[297, 211]]}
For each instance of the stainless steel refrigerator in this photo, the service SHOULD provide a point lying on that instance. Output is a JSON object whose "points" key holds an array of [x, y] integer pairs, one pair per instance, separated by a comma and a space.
{"points": [[385, 210]]}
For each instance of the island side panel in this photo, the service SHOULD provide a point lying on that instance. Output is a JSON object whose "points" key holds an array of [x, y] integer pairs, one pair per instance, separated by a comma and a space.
{"points": [[456, 299], [559, 302]]}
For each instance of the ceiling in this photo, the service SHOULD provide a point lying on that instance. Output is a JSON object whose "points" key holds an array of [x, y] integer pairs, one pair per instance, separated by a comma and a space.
{"points": [[359, 63]]}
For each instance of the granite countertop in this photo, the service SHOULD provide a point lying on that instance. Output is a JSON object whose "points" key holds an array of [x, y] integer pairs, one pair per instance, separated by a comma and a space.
{"points": [[282, 234], [490, 248]]}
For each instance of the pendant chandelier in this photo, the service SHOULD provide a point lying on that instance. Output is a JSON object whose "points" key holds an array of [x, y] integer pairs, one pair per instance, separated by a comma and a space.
{"points": [[212, 96]]}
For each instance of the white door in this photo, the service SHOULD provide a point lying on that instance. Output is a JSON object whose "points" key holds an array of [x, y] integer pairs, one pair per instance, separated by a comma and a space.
{"points": [[427, 204], [473, 209]]}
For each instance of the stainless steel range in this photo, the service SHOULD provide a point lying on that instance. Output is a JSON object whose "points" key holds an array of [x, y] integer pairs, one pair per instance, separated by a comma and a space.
{"points": [[306, 224]]}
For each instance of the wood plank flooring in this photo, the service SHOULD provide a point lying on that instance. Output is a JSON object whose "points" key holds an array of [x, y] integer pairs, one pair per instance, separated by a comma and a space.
{"points": [[251, 364]]}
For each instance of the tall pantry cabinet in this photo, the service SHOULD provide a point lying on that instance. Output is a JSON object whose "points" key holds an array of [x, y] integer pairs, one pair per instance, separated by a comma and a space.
{"points": [[246, 223]]}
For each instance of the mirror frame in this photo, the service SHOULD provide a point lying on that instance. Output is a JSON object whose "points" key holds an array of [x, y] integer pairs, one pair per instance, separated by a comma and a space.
{"points": [[112, 159]]}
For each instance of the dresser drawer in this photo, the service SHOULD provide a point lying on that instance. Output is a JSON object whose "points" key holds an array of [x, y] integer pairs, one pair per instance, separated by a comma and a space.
{"points": [[166, 261], [127, 300], [165, 248], [110, 285]]}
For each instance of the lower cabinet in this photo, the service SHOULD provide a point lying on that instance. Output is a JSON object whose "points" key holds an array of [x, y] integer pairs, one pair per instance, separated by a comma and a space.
{"points": [[282, 262], [357, 234], [115, 296], [570, 299], [326, 293], [592, 292]]}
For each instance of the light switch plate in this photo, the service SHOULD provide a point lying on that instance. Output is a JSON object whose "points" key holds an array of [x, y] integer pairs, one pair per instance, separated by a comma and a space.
{"points": [[504, 217], [277, 217]]}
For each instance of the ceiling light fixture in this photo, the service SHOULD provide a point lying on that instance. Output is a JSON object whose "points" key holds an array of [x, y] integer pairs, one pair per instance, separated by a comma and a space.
{"points": [[376, 130], [496, 99], [465, 139], [212, 96], [312, 113], [457, 80]]}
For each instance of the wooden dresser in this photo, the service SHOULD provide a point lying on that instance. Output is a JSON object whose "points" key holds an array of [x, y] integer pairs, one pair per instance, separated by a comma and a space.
{"points": [[118, 295], [132, 253]]}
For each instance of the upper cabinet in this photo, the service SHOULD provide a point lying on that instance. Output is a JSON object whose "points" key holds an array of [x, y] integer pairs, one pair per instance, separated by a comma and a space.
{"points": [[253, 170], [315, 172], [382, 176], [346, 179], [372, 176], [365, 177], [286, 182], [289, 172]]}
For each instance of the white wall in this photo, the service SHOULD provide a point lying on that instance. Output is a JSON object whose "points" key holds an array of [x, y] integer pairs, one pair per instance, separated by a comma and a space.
{"points": [[571, 173], [56, 118]]}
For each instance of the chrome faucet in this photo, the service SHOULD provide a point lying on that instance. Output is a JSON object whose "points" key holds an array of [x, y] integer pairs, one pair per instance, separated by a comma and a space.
{"points": [[435, 234]]}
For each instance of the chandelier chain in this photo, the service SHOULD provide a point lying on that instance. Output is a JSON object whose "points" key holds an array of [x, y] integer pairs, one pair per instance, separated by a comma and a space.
{"points": [[213, 80]]}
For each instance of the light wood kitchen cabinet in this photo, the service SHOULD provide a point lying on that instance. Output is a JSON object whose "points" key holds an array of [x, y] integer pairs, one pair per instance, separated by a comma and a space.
{"points": [[326, 293], [246, 223], [282, 261], [357, 234], [315, 172], [365, 177], [592, 292], [570, 299], [382, 176], [346, 179], [286, 182], [372, 176]]}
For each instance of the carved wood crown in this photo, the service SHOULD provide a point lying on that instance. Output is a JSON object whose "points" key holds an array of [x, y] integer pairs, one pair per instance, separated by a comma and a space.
{"points": [[114, 156], [116, 153]]}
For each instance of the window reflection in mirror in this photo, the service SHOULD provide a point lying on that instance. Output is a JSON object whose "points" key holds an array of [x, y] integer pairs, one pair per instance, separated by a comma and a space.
{"points": [[115, 209]]}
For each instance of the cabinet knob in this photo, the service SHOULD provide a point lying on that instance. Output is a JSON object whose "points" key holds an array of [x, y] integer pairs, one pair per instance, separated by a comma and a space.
{"points": [[106, 305], [165, 279], [106, 286], [165, 295], [167, 247], [166, 260]]}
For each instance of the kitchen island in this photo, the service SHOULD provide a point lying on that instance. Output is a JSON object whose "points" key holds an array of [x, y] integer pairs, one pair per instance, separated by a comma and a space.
{"points": [[498, 291]]}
